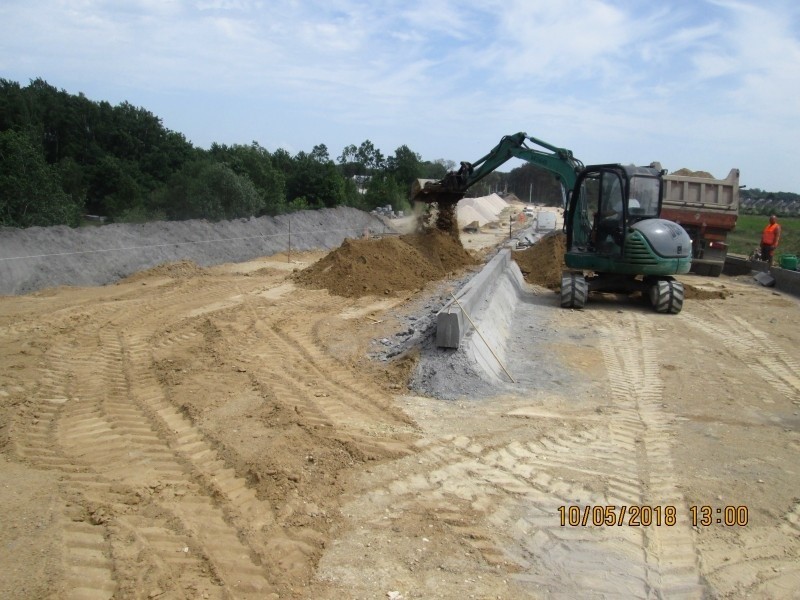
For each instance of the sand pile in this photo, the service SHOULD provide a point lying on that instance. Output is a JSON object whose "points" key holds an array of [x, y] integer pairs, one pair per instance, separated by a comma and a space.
{"points": [[182, 269], [689, 173], [691, 292], [543, 262], [483, 210], [362, 267]]}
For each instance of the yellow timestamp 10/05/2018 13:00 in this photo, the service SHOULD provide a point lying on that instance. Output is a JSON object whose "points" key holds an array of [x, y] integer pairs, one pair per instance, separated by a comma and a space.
{"points": [[648, 515]]}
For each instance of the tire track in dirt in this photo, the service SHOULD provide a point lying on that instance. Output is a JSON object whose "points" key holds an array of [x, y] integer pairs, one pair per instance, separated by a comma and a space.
{"points": [[88, 566], [87, 563], [101, 428], [753, 561], [303, 376], [521, 485], [755, 564], [517, 490], [753, 347], [642, 429], [238, 502]]}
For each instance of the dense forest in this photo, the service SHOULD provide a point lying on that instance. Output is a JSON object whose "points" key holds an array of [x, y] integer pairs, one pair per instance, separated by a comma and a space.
{"points": [[63, 157]]}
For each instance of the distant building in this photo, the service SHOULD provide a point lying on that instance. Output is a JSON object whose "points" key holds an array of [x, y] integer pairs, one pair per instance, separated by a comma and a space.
{"points": [[361, 182]]}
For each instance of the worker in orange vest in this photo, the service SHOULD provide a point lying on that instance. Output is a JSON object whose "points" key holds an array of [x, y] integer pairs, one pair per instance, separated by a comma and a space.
{"points": [[769, 239]]}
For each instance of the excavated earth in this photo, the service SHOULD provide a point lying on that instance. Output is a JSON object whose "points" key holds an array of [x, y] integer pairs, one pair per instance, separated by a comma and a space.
{"points": [[254, 430]]}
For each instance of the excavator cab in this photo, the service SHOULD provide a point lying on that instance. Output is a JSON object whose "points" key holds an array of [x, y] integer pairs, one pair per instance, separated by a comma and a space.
{"points": [[605, 201]]}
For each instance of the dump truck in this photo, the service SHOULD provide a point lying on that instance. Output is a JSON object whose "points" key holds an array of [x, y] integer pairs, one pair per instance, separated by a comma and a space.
{"points": [[707, 209]]}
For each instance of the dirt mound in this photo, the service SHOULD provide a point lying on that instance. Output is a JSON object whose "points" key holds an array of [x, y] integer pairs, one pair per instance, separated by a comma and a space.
{"points": [[387, 265], [689, 173], [181, 269], [543, 262], [692, 292]]}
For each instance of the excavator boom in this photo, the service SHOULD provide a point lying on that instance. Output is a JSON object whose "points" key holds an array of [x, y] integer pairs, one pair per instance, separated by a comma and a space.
{"points": [[453, 186]]}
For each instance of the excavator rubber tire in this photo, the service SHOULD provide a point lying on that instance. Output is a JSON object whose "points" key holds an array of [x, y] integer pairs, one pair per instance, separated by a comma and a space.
{"points": [[666, 296], [574, 290]]}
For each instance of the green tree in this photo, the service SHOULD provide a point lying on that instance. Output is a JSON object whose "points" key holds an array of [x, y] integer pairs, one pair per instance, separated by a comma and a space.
{"points": [[319, 183], [112, 157], [255, 163], [348, 162], [370, 156], [405, 166], [382, 190], [30, 189], [320, 153], [436, 169], [114, 186], [204, 189], [530, 181]]}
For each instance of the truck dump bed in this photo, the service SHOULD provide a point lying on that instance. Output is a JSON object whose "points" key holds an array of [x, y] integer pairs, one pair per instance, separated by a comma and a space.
{"points": [[708, 209], [705, 194]]}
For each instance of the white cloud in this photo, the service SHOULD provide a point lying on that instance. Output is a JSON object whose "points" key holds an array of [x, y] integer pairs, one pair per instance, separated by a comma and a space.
{"points": [[604, 77]]}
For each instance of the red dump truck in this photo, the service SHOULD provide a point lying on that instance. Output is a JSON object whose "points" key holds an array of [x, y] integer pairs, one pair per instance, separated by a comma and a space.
{"points": [[707, 209]]}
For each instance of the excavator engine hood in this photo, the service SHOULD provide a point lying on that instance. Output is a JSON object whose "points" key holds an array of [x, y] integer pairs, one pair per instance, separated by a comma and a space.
{"points": [[667, 239]]}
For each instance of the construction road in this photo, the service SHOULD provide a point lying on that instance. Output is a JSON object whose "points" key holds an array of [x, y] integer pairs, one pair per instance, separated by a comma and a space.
{"points": [[222, 433]]}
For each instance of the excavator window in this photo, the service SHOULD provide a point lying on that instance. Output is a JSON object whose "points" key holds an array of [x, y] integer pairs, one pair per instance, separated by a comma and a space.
{"points": [[586, 207], [609, 218], [643, 203]]}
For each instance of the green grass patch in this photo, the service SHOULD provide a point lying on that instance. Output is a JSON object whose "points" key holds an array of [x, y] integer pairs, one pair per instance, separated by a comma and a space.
{"points": [[747, 235]]}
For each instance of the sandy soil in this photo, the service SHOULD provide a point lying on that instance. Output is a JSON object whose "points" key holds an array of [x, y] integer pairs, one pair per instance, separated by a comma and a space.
{"points": [[221, 432]]}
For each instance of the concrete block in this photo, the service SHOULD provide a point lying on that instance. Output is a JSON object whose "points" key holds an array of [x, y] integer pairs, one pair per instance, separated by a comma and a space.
{"points": [[765, 279]]}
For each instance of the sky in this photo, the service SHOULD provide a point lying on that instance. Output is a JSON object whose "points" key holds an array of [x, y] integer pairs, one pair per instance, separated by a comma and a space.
{"points": [[707, 85]]}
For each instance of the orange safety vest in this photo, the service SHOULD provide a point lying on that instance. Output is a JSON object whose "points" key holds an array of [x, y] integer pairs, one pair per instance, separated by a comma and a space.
{"points": [[769, 236]]}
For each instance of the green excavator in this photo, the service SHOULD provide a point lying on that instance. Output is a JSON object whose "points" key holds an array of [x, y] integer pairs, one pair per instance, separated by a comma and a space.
{"points": [[615, 240]]}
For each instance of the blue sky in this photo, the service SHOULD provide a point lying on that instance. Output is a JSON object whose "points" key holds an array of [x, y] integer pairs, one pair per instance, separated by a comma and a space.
{"points": [[702, 84]]}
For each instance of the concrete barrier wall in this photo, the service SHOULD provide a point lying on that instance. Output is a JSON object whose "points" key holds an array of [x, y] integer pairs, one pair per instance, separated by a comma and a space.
{"points": [[490, 298], [785, 280], [488, 349], [451, 324]]}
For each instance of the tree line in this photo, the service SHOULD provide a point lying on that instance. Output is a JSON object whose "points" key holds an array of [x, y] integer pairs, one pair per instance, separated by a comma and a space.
{"points": [[63, 156]]}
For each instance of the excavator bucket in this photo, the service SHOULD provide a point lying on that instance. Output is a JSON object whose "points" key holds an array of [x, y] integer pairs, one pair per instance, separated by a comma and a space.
{"points": [[431, 190], [418, 193], [444, 197]]}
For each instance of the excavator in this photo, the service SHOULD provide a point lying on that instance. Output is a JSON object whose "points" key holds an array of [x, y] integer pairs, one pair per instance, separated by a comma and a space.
{"points": [[615, 240]]}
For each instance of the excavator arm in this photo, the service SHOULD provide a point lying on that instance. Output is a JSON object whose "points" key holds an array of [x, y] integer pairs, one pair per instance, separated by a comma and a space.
{"points": [[450, 189]]}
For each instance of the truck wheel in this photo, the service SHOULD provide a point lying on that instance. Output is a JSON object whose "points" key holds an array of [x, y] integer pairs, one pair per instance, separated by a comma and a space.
{"points": [[714, 270], [574, 290], [667, 296]]}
